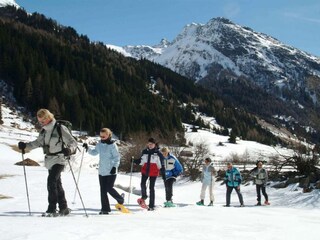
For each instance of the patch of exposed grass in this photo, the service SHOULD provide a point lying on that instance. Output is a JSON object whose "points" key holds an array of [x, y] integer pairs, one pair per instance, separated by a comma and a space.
{"points": [[27, 162], [4, 197], [2, 176], [15, 148]]}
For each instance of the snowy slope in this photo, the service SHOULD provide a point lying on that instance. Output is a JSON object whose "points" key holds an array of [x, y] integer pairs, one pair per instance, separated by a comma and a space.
{"points": [[292, 215]]}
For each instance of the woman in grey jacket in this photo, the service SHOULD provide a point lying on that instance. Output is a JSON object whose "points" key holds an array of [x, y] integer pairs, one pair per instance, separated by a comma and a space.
{"points": [[260, 175], [57, 148]]}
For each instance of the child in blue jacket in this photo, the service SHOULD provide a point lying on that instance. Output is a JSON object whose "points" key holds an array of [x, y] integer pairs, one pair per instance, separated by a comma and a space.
{"points": [[173, 169]]}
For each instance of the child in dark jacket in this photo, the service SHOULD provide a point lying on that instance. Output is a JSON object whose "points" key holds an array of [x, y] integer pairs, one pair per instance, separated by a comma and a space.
{"points": [[151, 161]]}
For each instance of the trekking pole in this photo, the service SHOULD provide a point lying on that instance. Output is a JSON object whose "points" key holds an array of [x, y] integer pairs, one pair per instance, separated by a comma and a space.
{"points": [[130, 189], [74, 179], [148, 183], [75, 190], [25, 179]]}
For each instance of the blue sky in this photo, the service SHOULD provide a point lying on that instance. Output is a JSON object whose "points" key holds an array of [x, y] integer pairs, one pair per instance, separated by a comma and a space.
{"points": [[135, 22]]}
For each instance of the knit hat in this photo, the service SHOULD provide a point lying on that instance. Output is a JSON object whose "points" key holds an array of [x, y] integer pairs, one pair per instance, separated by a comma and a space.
{"points": [[152, 140]]}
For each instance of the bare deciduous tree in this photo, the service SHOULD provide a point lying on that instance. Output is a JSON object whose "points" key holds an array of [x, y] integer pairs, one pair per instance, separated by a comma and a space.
{"points": [[303, 159], [245, 159], [194, 163]]}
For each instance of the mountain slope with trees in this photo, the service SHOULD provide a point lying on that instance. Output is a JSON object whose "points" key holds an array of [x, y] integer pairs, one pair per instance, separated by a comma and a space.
{"points": [[49, 65]]}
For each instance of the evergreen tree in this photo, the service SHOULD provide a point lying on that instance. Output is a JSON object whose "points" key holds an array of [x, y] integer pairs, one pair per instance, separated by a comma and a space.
{"points": [[54, 107], [1, 122], [232, 138]]}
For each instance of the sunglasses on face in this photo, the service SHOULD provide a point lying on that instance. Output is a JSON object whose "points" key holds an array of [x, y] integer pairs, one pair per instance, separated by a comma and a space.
{"points": [[43, 121]]}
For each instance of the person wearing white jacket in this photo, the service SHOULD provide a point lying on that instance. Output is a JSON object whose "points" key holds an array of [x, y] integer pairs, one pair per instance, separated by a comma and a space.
{"points": [[208, 178], [56, 149]]}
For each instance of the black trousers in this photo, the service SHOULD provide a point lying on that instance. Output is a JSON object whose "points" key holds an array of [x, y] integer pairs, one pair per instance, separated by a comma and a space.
{"points": [[168, 186], [55, 189], [229, 191], [260, 188], [143, 185], [106, 186]]}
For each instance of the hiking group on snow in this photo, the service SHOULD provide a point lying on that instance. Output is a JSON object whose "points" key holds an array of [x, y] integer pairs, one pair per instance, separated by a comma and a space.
{"points": [[58, 145]]}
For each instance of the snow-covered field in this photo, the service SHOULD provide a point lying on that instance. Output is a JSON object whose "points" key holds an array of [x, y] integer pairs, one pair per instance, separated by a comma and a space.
{"points": [[291, 215]]}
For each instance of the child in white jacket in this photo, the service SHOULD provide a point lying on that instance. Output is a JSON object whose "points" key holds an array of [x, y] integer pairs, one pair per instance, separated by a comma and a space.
{"points": [[208, 180]]}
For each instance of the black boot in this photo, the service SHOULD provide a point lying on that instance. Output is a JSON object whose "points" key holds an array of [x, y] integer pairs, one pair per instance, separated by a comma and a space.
{"points": [[64, 212]]}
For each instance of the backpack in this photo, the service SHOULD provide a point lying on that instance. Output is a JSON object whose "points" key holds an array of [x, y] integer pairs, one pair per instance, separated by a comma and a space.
{"points": [[67, 124]]}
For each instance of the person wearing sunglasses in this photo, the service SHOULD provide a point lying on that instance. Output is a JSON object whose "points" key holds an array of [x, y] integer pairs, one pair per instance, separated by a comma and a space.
{"points": [[109, 161]]}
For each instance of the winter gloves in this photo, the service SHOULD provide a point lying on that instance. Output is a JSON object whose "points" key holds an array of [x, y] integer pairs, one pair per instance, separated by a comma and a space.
{"points": [[22, 145], [66, 152], [136, 161], [163, 173], [113, 171], [85, 146]]}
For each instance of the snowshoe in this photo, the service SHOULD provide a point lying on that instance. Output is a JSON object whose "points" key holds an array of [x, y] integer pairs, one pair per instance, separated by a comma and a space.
{"points": [[65, 212], [50, 214], [142, 203], [103, 213], [122, 208], [169, 204]]}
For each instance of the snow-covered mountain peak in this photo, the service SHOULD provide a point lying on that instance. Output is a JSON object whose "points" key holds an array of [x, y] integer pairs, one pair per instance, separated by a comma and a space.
{"points": [[237, 49], [4, 3], [221, 50], [163, 43]]}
